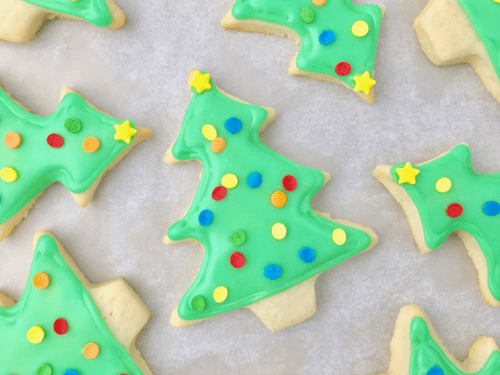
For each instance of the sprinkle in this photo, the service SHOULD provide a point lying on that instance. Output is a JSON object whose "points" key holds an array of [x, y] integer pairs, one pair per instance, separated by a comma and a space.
{"points": [[307, 255], [320, 3], [360, 28], [278, 199], [220, 294], [70, 372], [233, 125], [41, 280], [90, 144], [343, 68], [45, 369], [254, 180], [279, 231], [454, 210], [73, 125], [36, 334], [443, 185], [91, 350], [363, 83], [237, 260], [435, 371], [8, 174], [289, 182], [12, 140], [307, 15], [219, 193], [61, 326], [218, 145], [229, 181], [238, 238], [491, 208], [198, 303], [201, 82], [209, 132], [272, 271], [326, 37], [124, 132], [55, 140], [407, 174], [339, 236], [205, 217]]}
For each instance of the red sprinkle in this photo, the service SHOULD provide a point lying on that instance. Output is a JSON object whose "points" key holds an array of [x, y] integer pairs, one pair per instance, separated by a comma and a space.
{"points": [[219, 193], [61, 326], [343, 68], [237, 260], [55, 140], [454, 210], [289, 182]]}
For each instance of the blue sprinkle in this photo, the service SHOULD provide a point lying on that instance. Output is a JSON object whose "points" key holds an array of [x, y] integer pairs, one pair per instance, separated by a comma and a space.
{"points": [[307, 255], [491, 208], [205, 217], [254, 179], [435, 371], [272, 271], [233, 125], [326, 37], [70, 372]]}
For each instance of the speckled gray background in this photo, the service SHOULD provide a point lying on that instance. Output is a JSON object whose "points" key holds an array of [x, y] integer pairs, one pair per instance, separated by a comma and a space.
{"points": [[139, 72]]}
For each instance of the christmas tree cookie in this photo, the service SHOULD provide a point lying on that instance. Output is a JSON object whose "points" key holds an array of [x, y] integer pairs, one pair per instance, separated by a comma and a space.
{"points": [[338, 40], [463, 31], [21, 19], [417, 350], [75, 145], [445, 195], [64, 325], [264, 245]]}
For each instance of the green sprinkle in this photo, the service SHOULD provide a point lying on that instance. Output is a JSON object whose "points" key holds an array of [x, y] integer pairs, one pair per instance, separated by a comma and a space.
{"points": [[307, 15], [198, 303], [238, 237], [73, 125], [44, 370]]}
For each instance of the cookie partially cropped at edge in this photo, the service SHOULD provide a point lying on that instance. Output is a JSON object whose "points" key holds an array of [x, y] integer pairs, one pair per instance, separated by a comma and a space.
{"points": [[63, 324], [75, 145], [463, 31], [338, 40], [264, 245], [417, 349], [21, 19], [445, 195]]}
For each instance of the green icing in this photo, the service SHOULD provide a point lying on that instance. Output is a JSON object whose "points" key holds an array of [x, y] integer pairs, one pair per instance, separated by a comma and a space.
{"points": [[249, 210], [337, 16], [94, 11], [427, 354], [471, 190], [485, 17], [39, 165], [67, 298]]}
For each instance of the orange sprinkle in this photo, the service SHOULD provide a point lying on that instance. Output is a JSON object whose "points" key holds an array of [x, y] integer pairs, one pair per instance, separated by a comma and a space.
{"points": [[218, 145], [91, 351], [90, 144], [319, 3], [12, 140], [41, 280], [278, 199]]}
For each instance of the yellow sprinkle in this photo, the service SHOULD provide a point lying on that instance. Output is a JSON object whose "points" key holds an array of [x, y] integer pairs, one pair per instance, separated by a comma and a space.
{"points": [[339, 236], [8, 174], [279, 231], [360, 28], [36, 335], [201, 82], [124, 132], [209, 132], [220, 294], [444, 184], [407, 174], [364, 83], [229, 181]]}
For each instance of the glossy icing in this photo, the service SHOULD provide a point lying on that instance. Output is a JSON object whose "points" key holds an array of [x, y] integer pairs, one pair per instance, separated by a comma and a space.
{"points": [[39, 163], [337, 16], [241, 253], [94, 11], [64, 297]]}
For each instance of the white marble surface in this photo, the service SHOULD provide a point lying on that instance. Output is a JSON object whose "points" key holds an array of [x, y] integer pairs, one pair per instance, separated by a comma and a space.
{"points": [[139, 72]]}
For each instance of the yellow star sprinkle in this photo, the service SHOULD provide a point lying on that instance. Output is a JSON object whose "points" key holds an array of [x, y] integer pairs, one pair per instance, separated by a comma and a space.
{"points": [[407, 174], [364, 83], [124, 132], [201, 82]]}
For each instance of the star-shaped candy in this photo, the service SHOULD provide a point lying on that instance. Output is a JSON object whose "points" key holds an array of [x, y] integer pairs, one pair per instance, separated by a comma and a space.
{"points": [[364, 83], [201, 82], [124, 132], [407, 174]]}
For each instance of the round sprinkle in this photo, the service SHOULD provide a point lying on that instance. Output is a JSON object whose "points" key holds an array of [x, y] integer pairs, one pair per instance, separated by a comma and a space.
{"points": [[90, 144], [233, 125], [209, 132], [307, 255], [443, 185], [91, 350], [237, 260], [45, 369], [491, 208], [435, 371], [8, 174], [219, 193], [73, 125], [205, 217], [279, 231], [360, 28], [12, 140], [218, 145], [198, 303], [319, 3], [278, 199], [229, 181], [272, 271], [41, 280], [454, 210], [342, 68], [220, 294], [70, 372], [55, 140], [339, 236], [307, 15], [326, 37], [289, 182], [238, 238], [254, 180], [61, 326], [36, 334]]}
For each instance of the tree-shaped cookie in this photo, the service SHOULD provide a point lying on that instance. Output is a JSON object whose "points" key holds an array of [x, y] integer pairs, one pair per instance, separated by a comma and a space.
{"points": [[338, 40], [264, 245], [65, 325], [445, 195], [21, 19], [463, 31], [417, 350], [75, 145]]}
